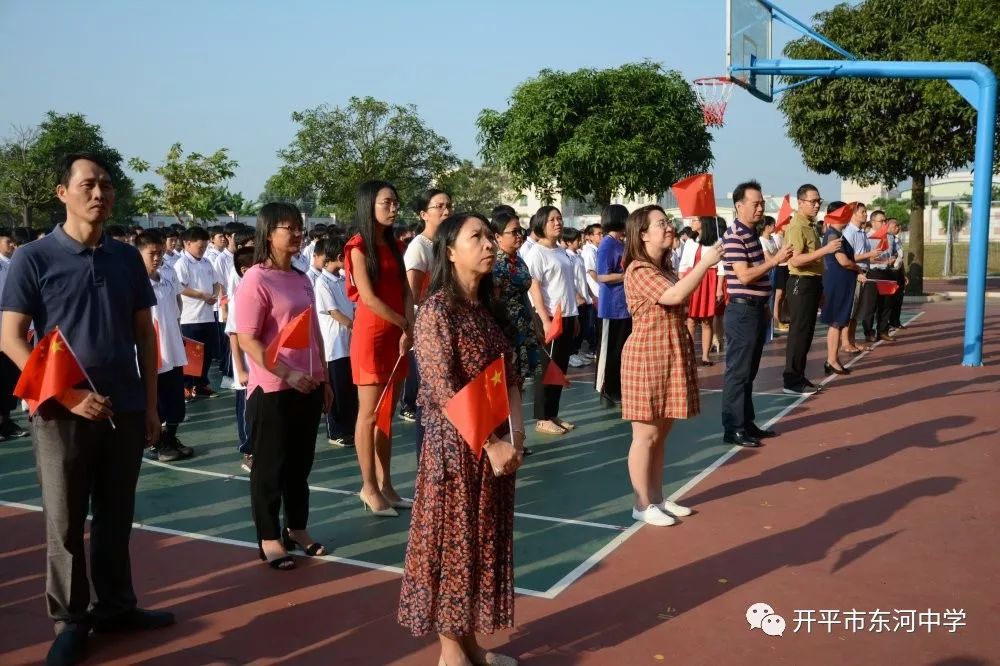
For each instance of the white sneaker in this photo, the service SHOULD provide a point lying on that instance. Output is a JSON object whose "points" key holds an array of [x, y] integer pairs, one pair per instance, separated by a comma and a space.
{"points": [[577, 362], [590, 356], [652, 515], [673, 509], [227, 383]]}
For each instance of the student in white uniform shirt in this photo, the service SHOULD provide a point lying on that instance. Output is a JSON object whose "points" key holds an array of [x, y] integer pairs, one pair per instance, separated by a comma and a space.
{"points": [[200, 292], [170, 377], [552, 268], [572, 242], [242, 261], [433, 206], [336, 318], [592, 237], [9, 372]]}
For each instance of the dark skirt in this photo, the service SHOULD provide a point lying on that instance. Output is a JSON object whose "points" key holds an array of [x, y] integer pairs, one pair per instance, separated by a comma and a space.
{"points": [[838, 294]]}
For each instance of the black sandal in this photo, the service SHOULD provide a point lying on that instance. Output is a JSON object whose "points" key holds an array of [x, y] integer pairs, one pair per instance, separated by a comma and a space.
{"points": [[312, 550], [285, 563]]}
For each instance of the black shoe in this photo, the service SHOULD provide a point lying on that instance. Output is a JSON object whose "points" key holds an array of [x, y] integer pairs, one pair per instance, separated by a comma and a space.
{"points": [[608, 400], [69, 647], [803, 389], [162, 453], [11, 430], [134, 620], [830, 370], [185, 451], [741, 438], [760, 433], [408, 415]]}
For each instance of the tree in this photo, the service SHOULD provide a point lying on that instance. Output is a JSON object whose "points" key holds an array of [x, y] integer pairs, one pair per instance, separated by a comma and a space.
{"points": [[148, 200], [189, 182], [336, 149], [894, 208], [958, 218], [887, 130], [472, 188], [29, 158], [634, 130]]}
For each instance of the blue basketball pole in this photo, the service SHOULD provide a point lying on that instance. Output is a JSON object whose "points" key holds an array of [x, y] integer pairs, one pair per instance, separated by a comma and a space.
{"points": [[960, 74]]}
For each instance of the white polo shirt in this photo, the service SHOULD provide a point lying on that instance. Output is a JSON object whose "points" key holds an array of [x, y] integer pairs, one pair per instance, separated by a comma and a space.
{"points": [[166, 316], [420, 257], [331, 294], [554, 271], [197, 274], [589, 254]]}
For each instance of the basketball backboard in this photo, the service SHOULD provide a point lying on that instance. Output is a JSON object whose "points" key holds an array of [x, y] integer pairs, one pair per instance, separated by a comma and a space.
{"points": [[748, 38]]}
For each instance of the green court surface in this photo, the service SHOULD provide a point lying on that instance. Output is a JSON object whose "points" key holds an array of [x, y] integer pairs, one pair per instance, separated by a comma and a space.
{"points": [[573, 494]]}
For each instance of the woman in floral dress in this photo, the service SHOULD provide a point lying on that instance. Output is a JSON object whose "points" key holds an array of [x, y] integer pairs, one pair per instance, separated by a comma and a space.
{"points": [[458, 578], [512, 284]]}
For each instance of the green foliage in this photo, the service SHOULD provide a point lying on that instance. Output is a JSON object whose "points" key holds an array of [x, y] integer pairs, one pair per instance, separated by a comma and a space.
{"points": [[894, 208], [472, 188], [190, 183], [958, 218], [336, 149], [28, 162], [886, 130], [635, 129]]}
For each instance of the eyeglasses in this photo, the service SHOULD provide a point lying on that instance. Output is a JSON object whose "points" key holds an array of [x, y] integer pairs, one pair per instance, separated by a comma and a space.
{"points": [[440, 206], [391, 204], [814, 202], [515, 232], [292, 228]]}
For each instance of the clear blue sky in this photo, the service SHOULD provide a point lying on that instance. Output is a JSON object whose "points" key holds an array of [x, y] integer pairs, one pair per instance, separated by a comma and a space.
{"points": [[229, 73]]}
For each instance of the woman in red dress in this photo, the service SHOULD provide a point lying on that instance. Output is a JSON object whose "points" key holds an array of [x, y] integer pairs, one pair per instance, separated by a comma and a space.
{"points": [[382, 334], [710, 294]]}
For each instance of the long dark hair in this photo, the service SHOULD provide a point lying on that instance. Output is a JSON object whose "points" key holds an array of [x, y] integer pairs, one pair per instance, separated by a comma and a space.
{"points": [[635, 250], [368, 226], [267, 221], [443, 275], [709, 234]]}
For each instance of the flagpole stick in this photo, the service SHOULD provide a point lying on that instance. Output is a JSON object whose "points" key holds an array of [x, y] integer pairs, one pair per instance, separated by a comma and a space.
{"points": [[85, 373], [312, 350], [392, 376]]}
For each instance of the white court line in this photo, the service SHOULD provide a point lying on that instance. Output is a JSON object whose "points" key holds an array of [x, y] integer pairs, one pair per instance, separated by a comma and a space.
{"points": [[338, 491], [584, 567], [246, 544]]}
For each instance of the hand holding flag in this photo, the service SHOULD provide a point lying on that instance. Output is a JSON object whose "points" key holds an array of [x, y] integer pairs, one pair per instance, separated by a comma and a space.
{"points": [[480, 406], [556, 325], [296, 334], [387, 403]]}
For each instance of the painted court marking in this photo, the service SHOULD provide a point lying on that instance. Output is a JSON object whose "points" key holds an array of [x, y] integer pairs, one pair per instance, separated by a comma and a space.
{"points": [[578, 572]]}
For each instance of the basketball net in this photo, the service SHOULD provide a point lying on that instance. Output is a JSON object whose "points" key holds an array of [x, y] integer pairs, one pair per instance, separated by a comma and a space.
{"points": [[713, 96]]}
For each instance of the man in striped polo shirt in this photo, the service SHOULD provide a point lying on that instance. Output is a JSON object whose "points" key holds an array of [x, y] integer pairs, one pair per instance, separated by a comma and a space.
{"points": [[747, 315]]}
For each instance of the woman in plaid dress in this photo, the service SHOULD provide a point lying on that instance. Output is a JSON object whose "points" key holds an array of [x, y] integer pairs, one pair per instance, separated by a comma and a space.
{"points": [[659, 376]]}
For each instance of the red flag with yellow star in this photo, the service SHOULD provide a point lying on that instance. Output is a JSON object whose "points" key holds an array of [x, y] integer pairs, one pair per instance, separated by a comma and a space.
{"points": [[695, 195], [784, 214], [480, 406], [51, 369]]}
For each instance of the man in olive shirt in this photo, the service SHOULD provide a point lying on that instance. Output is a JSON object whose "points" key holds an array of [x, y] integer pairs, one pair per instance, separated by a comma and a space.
{"points": [[804, 288]]}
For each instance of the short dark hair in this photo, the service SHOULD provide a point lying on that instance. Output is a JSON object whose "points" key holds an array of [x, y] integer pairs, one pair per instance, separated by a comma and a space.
{"points": [[834, 205], [613, 217], [66, 162], [539, 219], [335, 248], [170, 232], [806, 189], [319, 249], [215, 230], [6, 232], [570, 235], [116, 231], [502, 219], [686, 231], [243, 259], [244, 235], [591, 228], [877, 211], [147, 238], [502, 208], [741, 190], [195, 234], [230, 228]]}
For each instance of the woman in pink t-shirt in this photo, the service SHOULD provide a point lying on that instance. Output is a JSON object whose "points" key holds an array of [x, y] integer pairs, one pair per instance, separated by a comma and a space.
{"points": [[285, 397]]}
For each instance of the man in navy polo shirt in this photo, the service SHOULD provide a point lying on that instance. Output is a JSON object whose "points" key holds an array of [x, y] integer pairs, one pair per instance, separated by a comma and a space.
{"points": [[96, 291], [747, 318]]}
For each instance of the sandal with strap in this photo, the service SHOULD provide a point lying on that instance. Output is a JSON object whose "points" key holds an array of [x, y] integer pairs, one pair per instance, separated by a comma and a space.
{"points": [[312, 550], [285, 563]]}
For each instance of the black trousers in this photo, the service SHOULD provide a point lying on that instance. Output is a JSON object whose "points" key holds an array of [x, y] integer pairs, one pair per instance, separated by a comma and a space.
{"points": [[411, 385], [9, 374], [877, 308], [614, 333], [803, 294], [547, 397], [343, 415], [87, 465], [746, 330], [170, 396], [207, 334], [283, 427], [586, 327], [224, 355], [897, 298]]}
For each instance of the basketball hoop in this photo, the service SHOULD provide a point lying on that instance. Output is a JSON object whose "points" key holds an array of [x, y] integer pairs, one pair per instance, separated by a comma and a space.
{"points": [[713, 96]]}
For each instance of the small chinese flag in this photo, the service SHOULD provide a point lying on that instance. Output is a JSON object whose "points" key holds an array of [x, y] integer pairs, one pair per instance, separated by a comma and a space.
{"points": [[840, 215], [885, 287], [51, 370], [695, 195], [784, 214], [195, 352], [882, 236], [554, 376], [557, 326], [294, 335], [480, 406], [384, 409]]}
